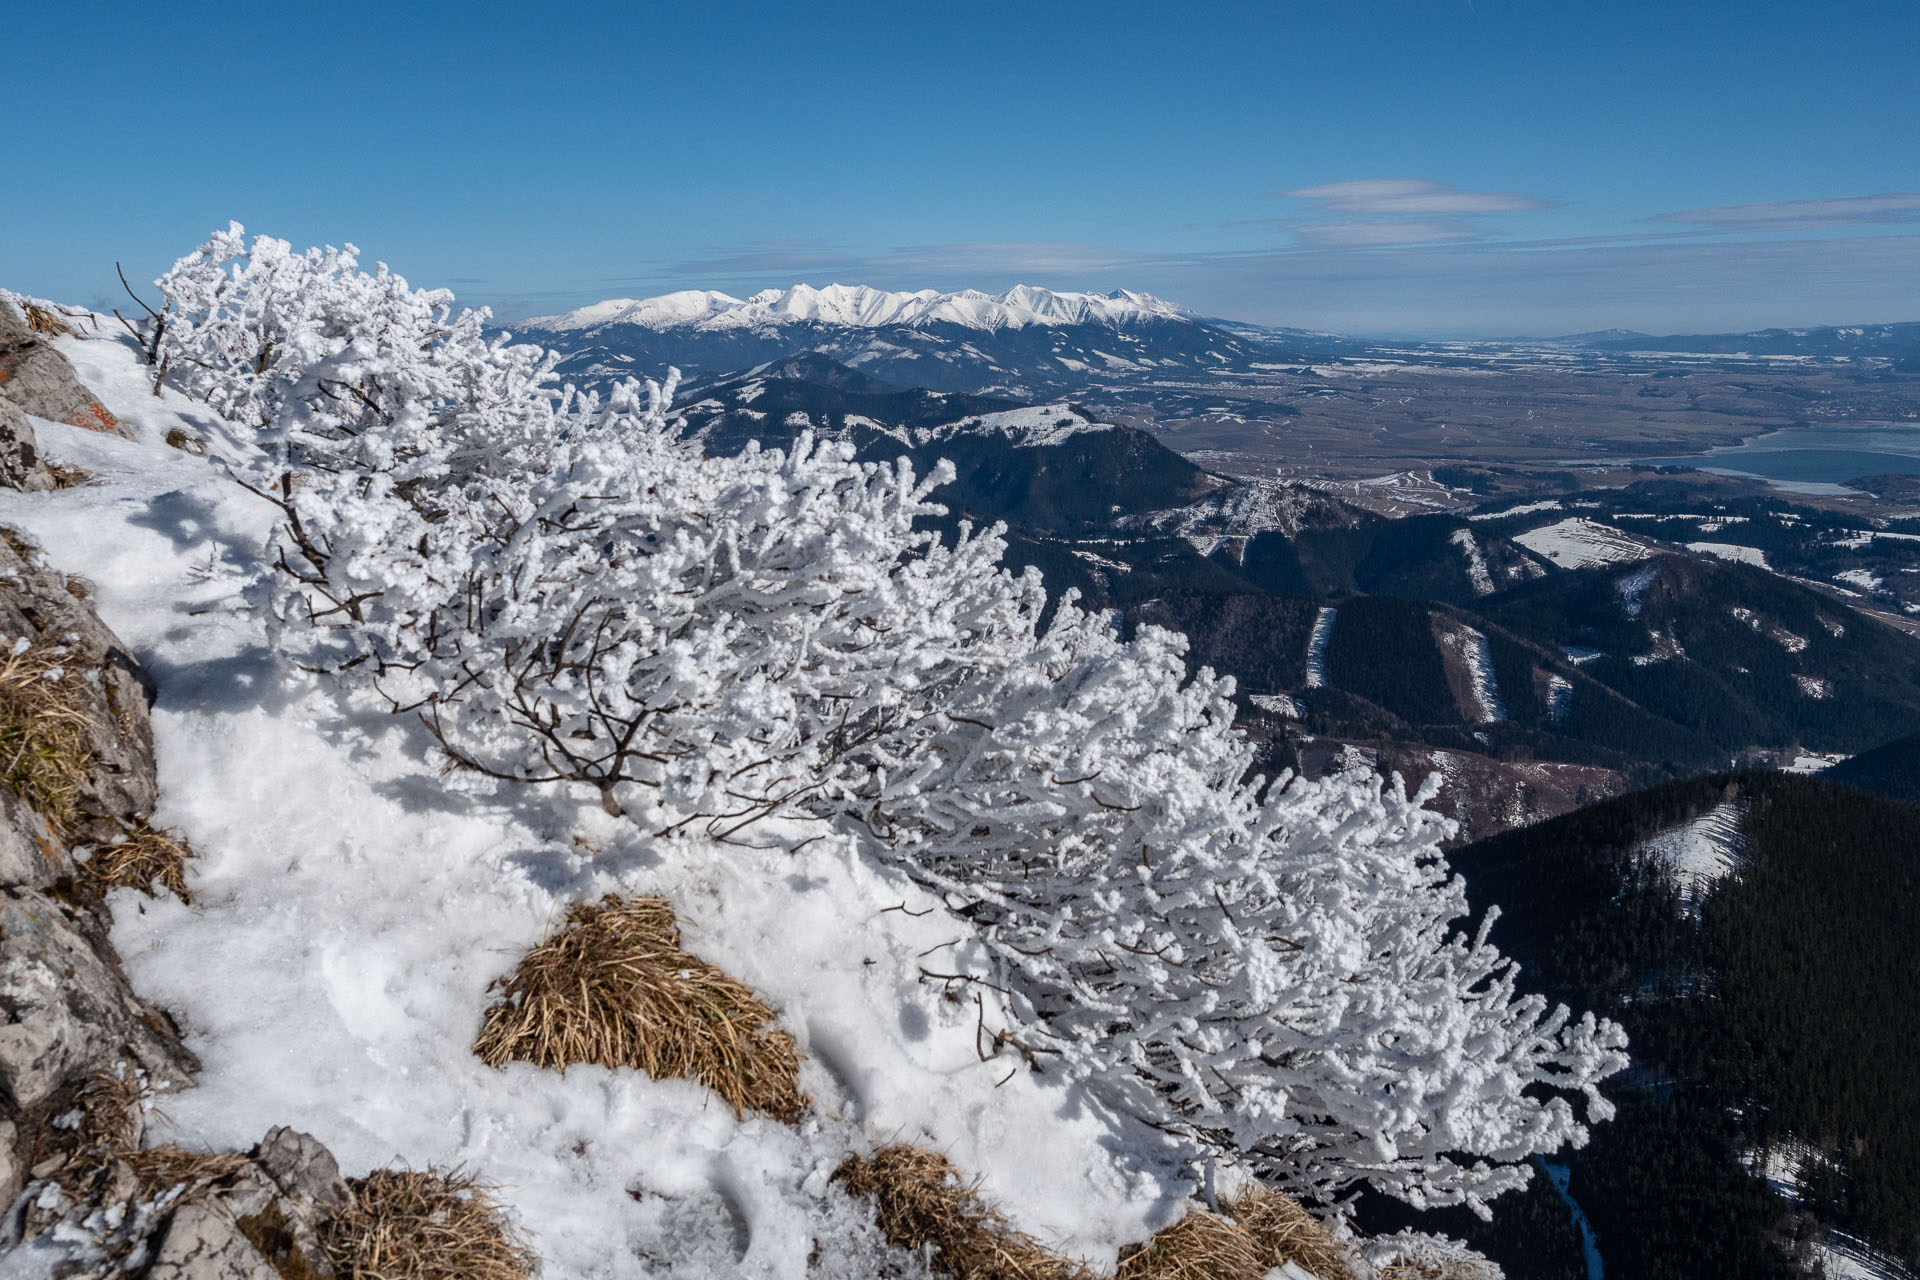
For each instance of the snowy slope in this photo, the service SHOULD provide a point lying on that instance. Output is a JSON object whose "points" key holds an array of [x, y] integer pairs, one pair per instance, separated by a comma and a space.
{"points": [[1580, 543], [352, 907], [859, 306], [1699, 853]]}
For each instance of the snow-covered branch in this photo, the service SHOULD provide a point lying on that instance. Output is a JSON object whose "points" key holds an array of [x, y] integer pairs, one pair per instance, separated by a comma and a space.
{"points": [[569, 592]]}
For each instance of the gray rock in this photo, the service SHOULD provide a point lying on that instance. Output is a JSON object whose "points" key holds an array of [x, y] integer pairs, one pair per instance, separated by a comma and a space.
{"points": [[38, 379], [31, 856], [67, 1013], [21, 466], [203, 1241], [303, 1169], [12, 1177], [41, 605]]}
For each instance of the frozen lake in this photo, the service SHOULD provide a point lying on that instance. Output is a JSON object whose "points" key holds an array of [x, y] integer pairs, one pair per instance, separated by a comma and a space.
{"points": [[1813, 455]]}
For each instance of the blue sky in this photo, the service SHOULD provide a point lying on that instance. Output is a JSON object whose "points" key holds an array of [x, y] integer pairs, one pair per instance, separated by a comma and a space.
{"points": [[1443, 167]]}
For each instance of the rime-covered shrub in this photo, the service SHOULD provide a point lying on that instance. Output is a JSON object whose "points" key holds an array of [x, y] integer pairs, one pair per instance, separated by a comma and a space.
{"points": [[771, 647]]}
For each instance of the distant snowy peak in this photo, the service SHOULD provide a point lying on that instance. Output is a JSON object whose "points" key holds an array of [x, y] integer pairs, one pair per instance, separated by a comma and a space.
{"points": [[857, 306]]}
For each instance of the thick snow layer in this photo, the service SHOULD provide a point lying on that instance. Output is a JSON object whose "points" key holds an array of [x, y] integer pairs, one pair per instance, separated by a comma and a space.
{"points": [[859, 306], [1028, 427], [1239, 510], [1549, 504], [1559, 697], [1632, 588], [1317, 646], [1699, 853], [1841, 1257], [1865, 579], [1814, 761], [1476, 562], [352, 907], [1470, 648], [1580, 543], [1731, 551], [1280, 704]]}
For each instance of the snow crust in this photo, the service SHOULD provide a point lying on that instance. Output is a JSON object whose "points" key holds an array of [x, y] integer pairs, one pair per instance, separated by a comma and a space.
{"points": [[351, 909], [863, 307]]}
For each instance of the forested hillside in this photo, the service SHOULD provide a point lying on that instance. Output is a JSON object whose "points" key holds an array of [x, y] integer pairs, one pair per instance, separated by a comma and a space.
{"points": [[1754, 933]]}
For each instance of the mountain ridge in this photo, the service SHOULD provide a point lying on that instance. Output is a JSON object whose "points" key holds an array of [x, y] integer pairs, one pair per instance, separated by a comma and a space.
{"points": [[864, 307]]}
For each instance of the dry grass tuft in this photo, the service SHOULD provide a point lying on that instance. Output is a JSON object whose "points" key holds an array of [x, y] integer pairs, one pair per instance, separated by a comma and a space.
{"points": [[922, 1203], [42, 321], [107, 1129], [66, 476], [163, 1168], [44, 755], [18, 542], [1283, 1232], [1198, 1247], [186, 442], [432, 1225], [614, 988], [1264, 1230], [139, 859]]}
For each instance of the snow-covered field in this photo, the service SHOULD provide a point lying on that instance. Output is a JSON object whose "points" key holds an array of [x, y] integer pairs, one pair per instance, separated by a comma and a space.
{"points": [[1580, 543], [1030, 426], [1524, 509], [1731, 551], [1700, 853], [352, 907]]}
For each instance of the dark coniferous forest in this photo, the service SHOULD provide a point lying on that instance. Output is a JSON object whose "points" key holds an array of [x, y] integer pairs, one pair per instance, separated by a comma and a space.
{"points": [[1778, 1011]]}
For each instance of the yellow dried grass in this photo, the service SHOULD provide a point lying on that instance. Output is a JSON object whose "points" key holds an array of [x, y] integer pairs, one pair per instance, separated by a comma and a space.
{"points": [[42, 321], [67, 476], [922, 1203], [139, 859], [1284, 1232], [165, 1167], [44, 752], [1198, 1247], [1262, 1230], [614, 988], [435, 1224]]}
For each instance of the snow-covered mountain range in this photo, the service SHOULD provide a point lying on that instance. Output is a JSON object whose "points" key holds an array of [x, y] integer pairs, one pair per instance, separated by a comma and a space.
{"points": [[860, 306], [1026, 344]]}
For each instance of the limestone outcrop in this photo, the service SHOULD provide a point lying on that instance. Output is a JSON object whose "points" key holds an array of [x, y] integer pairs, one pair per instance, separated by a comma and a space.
{"points": [[37, 379]]}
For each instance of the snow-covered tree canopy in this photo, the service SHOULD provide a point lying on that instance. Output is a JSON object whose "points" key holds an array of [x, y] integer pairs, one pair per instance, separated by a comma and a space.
{"points": [[766, 647]]}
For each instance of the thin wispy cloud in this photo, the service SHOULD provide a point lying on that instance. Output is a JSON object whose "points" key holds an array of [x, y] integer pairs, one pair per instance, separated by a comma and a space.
{"points": [[1398, 232], [1398, 211], [1826, 213], [1389, 197]]}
